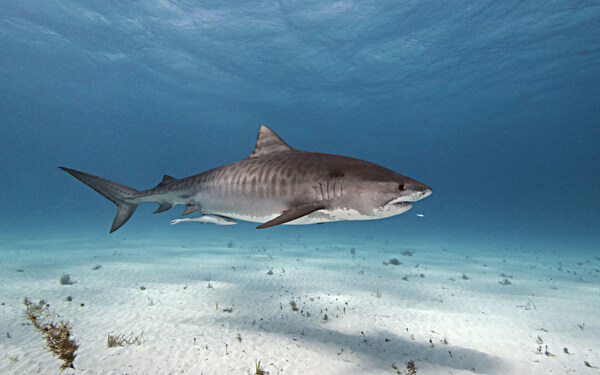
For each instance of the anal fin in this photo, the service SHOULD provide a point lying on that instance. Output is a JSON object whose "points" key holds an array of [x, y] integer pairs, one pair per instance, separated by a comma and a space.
{"points": [[292, 214], [163, 207]]}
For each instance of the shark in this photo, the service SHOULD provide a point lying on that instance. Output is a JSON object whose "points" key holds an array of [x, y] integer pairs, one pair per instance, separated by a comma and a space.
{"points": [[276, 184]]}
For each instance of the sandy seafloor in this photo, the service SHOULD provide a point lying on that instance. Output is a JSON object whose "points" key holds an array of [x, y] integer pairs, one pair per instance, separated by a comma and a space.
{"points": [[379, 315]]}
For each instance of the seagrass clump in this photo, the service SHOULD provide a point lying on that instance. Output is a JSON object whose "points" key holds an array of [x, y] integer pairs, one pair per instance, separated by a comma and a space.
{"points": [[65, 279], [57, 334], [113, 340]]}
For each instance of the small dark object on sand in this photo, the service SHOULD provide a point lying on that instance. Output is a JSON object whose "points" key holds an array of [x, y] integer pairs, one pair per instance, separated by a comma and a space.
{"points": [[393, 262], [505, 282], [69, 298], [96, 267], [407, 253]]}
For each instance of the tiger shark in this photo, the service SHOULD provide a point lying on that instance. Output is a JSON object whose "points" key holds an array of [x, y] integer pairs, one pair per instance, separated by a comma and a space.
{"points": [[275, 185]]}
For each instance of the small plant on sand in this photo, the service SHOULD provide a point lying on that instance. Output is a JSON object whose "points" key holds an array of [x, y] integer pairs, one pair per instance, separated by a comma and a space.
{"points": [[121, 340], [294, 306], [58, 335], [530, 305], [259, 369], [411, 368], [544, 352], [65, 279]]}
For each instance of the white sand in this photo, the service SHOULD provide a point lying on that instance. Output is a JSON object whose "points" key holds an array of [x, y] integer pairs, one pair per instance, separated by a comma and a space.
{"points": [[490, 328]]}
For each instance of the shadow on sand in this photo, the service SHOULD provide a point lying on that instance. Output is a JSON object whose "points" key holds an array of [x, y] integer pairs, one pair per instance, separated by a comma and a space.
{"points": [[380, 349]]}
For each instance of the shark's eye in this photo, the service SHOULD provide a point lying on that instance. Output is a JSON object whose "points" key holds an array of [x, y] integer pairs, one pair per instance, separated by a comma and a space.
{"points": [[401, 187]]}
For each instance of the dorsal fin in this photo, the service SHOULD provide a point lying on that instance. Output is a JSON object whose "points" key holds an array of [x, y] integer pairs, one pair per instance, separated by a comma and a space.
{"points": [[268, 142], [166, 179]]}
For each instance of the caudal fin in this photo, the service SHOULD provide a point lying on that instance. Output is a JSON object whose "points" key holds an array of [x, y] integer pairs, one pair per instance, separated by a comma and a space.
{"points": [[117, 193]]}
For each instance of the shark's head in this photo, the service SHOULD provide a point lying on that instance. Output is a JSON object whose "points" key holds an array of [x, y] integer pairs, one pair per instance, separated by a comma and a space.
{"points": [[378, 192]]}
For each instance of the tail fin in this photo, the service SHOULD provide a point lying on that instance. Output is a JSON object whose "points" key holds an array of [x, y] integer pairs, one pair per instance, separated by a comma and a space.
{"points": [[117, 193]]}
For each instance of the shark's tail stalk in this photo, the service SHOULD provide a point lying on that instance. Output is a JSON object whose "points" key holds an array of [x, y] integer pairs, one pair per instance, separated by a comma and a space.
{"points": [[117, 193]]}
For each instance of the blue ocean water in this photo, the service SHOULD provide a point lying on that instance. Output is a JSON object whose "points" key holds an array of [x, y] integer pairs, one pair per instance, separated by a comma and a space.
{"points": [[493, 104]]}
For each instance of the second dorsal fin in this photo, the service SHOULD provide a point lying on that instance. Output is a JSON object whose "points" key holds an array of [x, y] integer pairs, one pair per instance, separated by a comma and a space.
{"points": [[268, 142]]}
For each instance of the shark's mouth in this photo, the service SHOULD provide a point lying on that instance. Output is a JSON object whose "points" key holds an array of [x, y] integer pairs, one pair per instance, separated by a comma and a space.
{"points": [[402, 204], [395, 207], [397, 203]]}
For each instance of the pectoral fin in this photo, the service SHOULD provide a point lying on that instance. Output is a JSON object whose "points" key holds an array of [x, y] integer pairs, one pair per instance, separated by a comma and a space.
{"points": [[292, 214]]}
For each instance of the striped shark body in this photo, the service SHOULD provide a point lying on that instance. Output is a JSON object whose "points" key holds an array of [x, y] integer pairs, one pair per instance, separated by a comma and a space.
{"points": [[275, 185]]}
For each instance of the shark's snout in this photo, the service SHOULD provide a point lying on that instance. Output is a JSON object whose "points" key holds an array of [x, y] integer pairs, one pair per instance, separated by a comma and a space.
{"points": [[416, 192], [425, 193]]}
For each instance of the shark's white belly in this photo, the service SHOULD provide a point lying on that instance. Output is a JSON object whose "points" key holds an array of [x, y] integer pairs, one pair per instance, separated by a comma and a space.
{"points": [[320, 216]]}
